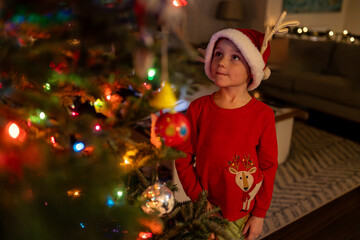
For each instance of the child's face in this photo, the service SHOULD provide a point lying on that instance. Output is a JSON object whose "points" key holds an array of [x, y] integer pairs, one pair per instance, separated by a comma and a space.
{"points": [[228, 66]]}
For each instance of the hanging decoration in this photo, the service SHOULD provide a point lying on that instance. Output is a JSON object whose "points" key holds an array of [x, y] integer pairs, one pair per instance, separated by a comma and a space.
{"points": [[165, 98], [157, 198], [173, 129], [179, 3]]}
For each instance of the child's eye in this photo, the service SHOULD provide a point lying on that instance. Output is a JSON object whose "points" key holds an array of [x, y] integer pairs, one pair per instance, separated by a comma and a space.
{"points": [[236, 57], [217, 54]]}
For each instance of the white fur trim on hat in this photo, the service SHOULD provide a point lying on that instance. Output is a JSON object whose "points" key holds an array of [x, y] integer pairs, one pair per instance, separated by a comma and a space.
{"points": [[248, 50]]}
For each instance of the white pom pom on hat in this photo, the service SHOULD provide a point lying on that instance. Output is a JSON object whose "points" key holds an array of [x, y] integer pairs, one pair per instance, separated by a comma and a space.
{"points": [[249, 42]]}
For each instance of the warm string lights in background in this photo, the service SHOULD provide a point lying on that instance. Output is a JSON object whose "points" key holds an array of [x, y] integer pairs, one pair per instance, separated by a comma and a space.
{"points": [[344, 36]]}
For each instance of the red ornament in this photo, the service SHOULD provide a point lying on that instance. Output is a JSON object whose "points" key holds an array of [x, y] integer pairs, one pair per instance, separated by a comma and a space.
{"points": [[173, 128], [179, 3]]}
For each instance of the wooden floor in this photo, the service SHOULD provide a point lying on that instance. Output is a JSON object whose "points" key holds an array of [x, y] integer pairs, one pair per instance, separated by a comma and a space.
{"points": [[338, 220]]}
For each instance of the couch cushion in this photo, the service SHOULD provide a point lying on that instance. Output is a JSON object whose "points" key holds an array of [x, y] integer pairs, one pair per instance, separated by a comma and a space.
{"points": [[345, 61], [279, 51], [283, 80], [333, 88], [311, 56]]}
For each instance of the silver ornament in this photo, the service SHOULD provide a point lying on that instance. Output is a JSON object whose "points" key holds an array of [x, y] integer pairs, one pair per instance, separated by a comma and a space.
{"points": [[158, 198]]}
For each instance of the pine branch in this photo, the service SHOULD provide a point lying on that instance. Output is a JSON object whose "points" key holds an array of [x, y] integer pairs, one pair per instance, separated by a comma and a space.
{"points": [[217, 229], [201, 204], [191, 210], [172, 186], [191, 221], [184, 213], [173, 213], [142, 178]]}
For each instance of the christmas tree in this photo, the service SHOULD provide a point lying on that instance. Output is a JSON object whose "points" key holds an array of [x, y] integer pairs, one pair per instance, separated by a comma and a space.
{"points": [[78, 83]]}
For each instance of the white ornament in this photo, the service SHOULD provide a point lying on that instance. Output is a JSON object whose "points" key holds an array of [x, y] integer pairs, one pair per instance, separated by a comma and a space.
{"points": [[159, 198]]}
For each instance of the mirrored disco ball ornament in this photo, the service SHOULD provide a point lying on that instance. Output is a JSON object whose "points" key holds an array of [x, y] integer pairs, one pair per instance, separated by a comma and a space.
{"points": [[158, 198]]}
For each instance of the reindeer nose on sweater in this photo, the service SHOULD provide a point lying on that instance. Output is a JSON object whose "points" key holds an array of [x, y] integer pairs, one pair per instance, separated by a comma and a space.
{"points": [[245, 188]]}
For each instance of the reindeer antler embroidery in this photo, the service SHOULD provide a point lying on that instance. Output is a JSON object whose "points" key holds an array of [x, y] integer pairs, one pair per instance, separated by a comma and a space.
{"points": [[279, 28], [247, 162], [236, 162]]}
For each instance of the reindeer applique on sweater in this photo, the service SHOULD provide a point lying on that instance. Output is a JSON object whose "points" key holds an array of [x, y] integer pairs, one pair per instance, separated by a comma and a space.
{"points": [[245, 179]]}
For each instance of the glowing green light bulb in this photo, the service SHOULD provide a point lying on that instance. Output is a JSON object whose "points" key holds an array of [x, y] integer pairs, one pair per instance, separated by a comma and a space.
{"points": [[151, 74], [47, 87]]}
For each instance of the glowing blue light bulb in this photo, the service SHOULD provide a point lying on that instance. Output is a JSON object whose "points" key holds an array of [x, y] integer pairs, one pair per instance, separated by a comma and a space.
{"points": [[78, 146], [110, 202], [82, 225]]}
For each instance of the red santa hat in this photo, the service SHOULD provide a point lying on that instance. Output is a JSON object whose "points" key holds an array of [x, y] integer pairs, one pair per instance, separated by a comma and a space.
{"points": [[249, 43]]}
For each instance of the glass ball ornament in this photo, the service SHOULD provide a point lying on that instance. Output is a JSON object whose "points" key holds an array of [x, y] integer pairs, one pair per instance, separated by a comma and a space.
{"points": [[173, 128], [157, 198]]}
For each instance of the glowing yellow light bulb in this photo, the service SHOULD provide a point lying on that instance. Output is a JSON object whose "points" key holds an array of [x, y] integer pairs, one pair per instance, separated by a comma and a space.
{"points": [[126, 160], [98, 103], [73, 193], [257, 95]]}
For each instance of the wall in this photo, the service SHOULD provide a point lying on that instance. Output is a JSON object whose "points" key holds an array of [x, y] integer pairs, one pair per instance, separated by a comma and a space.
{"points": [[202, 23], [348, 18], [352, 19]]}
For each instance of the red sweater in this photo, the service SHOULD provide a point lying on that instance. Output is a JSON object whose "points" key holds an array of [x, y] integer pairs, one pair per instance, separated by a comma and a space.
{"points": [[236, 156]]}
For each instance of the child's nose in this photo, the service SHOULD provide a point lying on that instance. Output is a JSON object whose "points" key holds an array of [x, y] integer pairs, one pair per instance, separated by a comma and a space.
{"points": [[223, 62]]}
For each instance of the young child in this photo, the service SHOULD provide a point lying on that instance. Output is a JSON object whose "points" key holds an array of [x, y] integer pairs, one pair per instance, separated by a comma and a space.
{"points": [[233, 138]]}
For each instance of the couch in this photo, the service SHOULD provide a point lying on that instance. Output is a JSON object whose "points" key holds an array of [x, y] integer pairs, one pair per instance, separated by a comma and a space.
{"points": [[315, 75]]}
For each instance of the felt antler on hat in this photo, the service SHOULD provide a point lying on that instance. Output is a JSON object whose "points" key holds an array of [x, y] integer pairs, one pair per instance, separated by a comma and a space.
{"points": [[279, 28]]}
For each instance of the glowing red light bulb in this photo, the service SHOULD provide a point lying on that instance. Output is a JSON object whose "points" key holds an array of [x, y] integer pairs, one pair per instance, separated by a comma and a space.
{"points": [[14, 130], [97, 127], [145, 235]]}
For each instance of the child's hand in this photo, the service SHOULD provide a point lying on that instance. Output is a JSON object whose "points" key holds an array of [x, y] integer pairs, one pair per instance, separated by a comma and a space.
{"points": [[210, 207], [253, 228]]}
